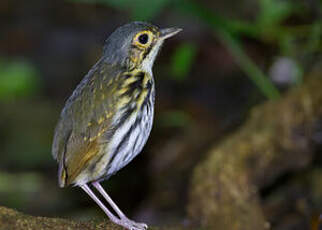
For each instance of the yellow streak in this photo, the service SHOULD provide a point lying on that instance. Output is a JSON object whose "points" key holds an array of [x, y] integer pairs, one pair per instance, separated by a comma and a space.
{"points": [[100, 120]]}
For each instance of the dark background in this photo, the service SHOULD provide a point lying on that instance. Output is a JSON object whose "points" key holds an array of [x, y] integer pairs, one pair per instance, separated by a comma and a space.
{"points": [[230, 57]]}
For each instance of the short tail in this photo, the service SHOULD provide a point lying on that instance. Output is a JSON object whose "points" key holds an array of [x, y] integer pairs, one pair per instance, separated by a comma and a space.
{"points": [[62, 175]]}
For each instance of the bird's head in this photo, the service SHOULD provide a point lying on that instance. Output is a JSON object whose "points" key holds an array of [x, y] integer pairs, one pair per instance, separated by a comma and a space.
{"points": [[136, 45]]}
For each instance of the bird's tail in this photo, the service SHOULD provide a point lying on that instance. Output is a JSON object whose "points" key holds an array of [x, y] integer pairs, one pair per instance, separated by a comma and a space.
{"points": [[62, 174]]}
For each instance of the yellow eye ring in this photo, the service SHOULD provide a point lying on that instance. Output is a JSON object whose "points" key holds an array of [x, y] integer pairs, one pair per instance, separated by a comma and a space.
{"points": [[143, 39]]}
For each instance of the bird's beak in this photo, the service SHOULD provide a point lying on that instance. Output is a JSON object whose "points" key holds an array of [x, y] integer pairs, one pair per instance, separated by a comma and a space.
{"points": [[169, 32]]}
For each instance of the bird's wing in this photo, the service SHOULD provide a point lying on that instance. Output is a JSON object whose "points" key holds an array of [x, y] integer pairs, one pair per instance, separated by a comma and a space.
{"points": [[86, 116]]}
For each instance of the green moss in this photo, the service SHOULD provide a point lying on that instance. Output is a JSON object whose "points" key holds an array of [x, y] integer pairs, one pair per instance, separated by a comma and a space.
{"points": [[10, 219], [13, 220]]}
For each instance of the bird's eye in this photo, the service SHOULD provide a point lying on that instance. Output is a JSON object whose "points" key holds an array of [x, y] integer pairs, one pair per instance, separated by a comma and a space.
{"points": [[143, 38]]}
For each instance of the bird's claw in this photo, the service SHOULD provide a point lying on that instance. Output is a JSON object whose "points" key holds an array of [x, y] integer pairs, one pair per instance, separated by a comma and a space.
{"points": [[132, 225]]}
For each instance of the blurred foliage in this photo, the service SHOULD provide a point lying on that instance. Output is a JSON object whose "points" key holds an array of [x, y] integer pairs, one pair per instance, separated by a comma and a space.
{"points": [[17, 79], [175, 118], [315, 37], [24, 182], [182, 60], [247, 65], [137, 8], [19, 187], [27, 127], [273, 12]]}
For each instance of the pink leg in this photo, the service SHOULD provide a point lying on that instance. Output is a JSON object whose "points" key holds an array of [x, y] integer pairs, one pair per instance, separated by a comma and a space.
{"points": [[123, 218], [94, 197], [101, 190]]}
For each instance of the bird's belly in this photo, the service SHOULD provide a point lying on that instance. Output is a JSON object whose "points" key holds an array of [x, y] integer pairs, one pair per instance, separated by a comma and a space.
{"points": [[128, 140]]}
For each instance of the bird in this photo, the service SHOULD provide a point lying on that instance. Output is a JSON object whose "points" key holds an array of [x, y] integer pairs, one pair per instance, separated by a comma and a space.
{"points": [[107, 120]]}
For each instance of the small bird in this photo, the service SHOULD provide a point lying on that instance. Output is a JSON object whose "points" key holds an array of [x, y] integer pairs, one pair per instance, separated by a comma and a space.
{"points": [[107, 120]]}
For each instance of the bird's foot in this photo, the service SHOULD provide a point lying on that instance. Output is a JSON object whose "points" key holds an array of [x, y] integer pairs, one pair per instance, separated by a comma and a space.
{"points": [[132, 225]]}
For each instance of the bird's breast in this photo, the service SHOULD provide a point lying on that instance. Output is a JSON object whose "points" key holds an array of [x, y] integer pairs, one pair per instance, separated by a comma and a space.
{"points": [[132, 122]]}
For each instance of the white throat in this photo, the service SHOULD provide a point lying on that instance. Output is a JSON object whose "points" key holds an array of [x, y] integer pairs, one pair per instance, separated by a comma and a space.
{"points": [[149, 59]]}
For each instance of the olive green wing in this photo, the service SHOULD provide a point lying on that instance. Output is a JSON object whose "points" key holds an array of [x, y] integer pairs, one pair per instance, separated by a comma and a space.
{"points": [[87, 115]]}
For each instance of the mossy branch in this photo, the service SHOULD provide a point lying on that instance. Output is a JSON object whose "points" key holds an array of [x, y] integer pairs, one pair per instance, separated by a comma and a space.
{"points": [[14, 220]]}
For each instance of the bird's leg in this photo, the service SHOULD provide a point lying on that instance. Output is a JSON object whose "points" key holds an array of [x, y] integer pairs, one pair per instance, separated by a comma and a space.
{"points": [[103, 207], [101, 190], [122, 216], [127, 224]]}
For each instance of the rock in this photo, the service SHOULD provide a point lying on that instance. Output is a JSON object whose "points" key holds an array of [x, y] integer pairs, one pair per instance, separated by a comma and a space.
{"points": [[277, 138]]}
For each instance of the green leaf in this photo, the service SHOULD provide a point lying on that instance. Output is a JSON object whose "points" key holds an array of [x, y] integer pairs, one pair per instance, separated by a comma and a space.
{"points": [[182, 60], [273, 12], [17, 79]]}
